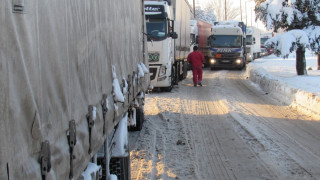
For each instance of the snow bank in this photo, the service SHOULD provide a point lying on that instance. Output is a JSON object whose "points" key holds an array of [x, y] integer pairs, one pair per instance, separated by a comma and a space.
{"points": [[278, 78]]}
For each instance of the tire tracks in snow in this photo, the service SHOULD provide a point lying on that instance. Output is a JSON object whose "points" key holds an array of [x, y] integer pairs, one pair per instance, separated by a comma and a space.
{"points": [[163, 148], [269, 135]]}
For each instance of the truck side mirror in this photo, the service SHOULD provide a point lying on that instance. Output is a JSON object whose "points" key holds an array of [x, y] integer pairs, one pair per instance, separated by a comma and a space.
{"points": [[209, 39], [174, 35], [197, 40]]}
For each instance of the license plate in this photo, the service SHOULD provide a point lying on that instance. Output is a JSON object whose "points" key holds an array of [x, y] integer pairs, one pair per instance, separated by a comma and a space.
{"points": [[226, 61]]}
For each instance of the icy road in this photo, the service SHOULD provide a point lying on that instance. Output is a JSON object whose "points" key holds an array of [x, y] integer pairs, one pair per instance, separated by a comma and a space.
{"points": [[227, 129]]}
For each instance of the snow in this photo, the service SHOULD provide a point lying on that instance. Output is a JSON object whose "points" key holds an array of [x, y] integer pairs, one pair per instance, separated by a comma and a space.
{"points": [[113, 177], [278, 76], [91, 168], [121, 138], [284, 42], [144, 68], [132, 121], [117, 93]]}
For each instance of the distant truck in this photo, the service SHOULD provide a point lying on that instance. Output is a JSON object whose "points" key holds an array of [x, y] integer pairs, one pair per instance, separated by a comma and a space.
{"points": [[227, 45], [168, 31], [253, 45], [203, 30], [264, 38], [73, 78]]}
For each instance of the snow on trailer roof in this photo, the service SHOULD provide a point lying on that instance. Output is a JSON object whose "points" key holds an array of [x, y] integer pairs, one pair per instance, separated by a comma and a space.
{"points": [[224, 26], [230, 22]]}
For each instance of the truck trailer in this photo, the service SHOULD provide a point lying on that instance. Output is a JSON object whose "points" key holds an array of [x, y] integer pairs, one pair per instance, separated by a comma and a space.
{"points": [[227, 45], [202, 30], [253, 45], [168, 31], [73, 79]]}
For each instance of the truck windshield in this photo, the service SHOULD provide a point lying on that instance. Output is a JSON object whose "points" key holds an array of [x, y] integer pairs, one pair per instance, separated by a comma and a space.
{"points": [[263, 40], [157, 29], [232, 41], [249, 40]]}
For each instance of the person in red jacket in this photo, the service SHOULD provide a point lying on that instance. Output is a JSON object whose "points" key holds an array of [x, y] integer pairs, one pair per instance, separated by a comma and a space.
{"points": [[196, 60]]}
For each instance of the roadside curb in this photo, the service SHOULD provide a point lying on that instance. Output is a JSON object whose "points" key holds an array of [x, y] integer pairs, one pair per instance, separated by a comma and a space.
{"points": [[300, 100]]}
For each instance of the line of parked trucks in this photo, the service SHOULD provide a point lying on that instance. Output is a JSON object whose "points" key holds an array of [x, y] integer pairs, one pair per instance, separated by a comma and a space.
{"points": [[74, 76]]}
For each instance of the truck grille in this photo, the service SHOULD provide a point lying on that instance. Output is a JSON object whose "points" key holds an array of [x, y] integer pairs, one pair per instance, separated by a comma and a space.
{"points": [[153, 72], [228, 55]]}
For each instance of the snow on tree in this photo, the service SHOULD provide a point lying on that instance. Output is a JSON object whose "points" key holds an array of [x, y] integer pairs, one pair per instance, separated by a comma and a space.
{"points": [[258, 2], [290, 15], [206, 15], [314, 39], [284, 44]]}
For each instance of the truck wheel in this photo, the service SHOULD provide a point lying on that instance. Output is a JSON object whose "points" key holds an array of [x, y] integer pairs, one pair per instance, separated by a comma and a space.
{"points": [[120, 166], [139, 120]]}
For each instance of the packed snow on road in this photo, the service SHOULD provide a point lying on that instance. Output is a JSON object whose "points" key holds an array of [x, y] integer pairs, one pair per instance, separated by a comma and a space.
{"points": [[234, 127]]}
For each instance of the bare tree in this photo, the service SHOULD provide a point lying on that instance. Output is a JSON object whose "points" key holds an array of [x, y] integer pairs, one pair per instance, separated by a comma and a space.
{"points": [[258, 2], [232, 11]]}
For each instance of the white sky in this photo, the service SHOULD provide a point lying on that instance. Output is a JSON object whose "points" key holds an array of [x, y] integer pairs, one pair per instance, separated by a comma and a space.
{"points": [[248, 15]]}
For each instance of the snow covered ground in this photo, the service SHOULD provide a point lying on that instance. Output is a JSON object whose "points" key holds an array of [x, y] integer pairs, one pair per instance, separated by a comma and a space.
{"points": [[233, 128], [278, 76]]}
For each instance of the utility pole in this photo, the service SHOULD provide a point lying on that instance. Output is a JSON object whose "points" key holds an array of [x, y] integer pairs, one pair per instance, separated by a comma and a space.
{"points": [[194, 9], [246, 14], [225, 10], [251, 15], [241, 10]]}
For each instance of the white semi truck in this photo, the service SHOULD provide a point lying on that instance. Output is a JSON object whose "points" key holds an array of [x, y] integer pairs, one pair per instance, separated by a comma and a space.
{"points": [[227, 45], [73, 78], [253, 43], [168, 31]]}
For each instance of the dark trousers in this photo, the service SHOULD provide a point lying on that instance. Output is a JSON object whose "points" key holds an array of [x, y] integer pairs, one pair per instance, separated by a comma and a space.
{"points": [[197, 75]]}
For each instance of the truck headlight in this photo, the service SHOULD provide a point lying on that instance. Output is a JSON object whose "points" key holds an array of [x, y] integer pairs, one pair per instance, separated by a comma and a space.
{"points": [[238, 61], [212, 61], [162, 71]]}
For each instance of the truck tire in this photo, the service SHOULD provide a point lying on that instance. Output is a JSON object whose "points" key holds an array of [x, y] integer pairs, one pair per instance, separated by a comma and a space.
{"points": [[140, 117], [139, 120], [120, 166]]}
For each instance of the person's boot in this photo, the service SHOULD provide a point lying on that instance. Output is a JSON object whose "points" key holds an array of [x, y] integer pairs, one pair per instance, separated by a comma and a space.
{"points": [[200, 84]]}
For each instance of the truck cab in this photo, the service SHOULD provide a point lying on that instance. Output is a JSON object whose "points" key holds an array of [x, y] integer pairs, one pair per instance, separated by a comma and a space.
{"points": [[168, 32], [227, 45], [161, 35], [253, 48]]}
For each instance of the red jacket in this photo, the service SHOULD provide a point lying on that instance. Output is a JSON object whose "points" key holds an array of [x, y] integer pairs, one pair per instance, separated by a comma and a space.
{"points": [[196, 59]]}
